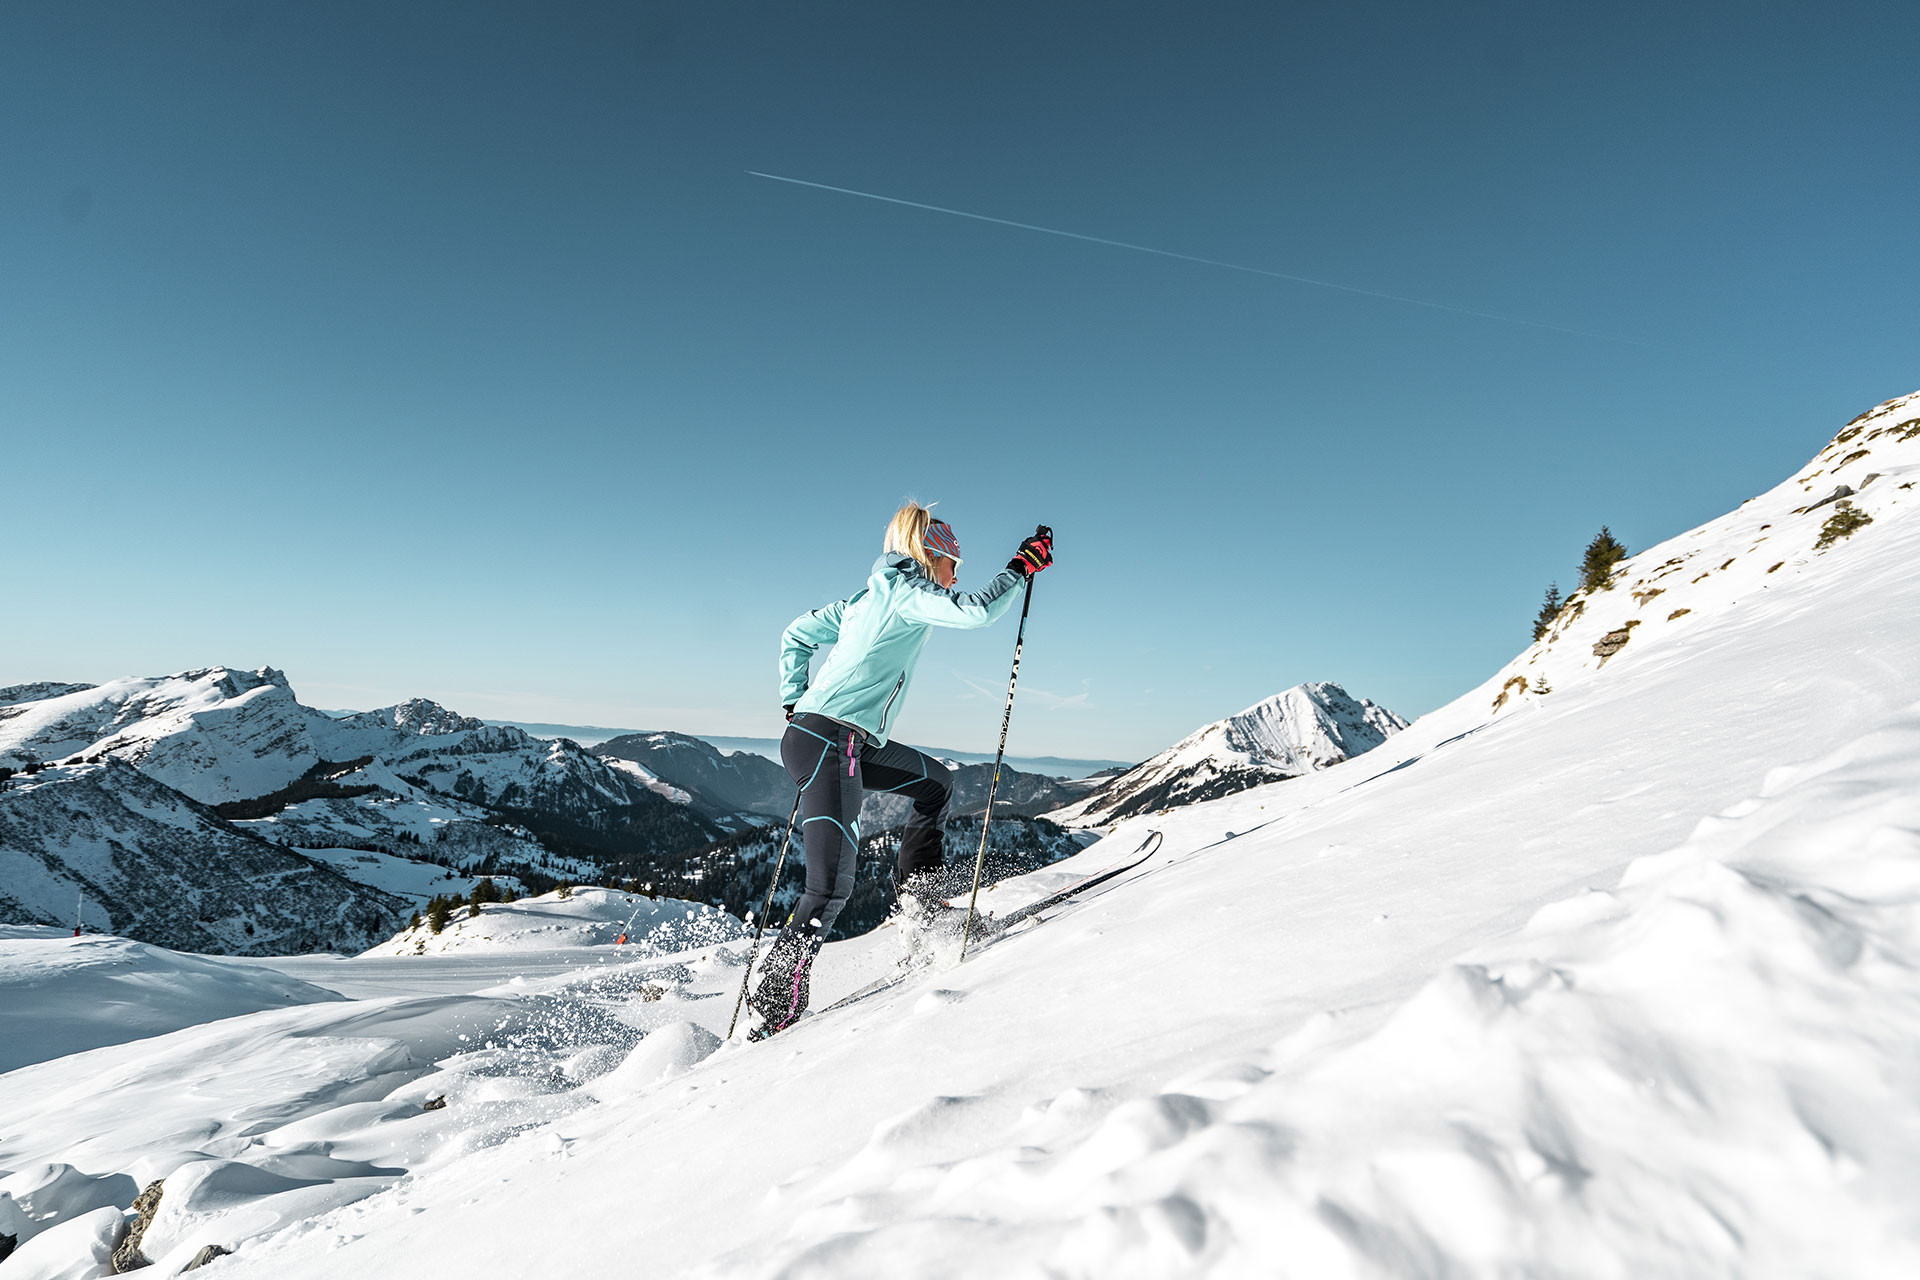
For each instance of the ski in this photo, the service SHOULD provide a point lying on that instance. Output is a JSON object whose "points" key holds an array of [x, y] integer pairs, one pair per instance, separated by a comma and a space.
{"points": [[996, 925], [1148, 847]]}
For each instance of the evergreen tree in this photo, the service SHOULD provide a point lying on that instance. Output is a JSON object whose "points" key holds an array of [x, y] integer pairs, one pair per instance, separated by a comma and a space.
{"points": [[1596, 566], [1549, 610], [437, 913]]}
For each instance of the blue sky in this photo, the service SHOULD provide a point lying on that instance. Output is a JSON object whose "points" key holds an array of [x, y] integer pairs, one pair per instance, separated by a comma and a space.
{"points": [[451, 350]]}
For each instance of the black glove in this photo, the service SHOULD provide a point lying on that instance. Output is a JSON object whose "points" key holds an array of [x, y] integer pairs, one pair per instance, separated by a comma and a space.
{"points": [[789, 710], [1035, 554]]}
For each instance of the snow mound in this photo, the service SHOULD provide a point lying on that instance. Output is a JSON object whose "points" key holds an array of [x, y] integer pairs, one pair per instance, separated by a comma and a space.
{"points": [[78, 1248], [269, 1121], [671, 1051], [583, 918], [40, 1197], [63, 994]]}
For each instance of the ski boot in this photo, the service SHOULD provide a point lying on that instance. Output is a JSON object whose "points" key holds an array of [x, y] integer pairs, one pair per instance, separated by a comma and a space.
{"points": [[781, 995]]}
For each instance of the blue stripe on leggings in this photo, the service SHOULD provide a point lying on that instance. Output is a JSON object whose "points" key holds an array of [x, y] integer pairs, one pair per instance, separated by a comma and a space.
{"points": [[810, 733], [853, 839], [909, 782]]}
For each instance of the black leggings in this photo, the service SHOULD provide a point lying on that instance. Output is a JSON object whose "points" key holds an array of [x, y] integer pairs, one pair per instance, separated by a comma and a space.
{"points": [[834, 770]]}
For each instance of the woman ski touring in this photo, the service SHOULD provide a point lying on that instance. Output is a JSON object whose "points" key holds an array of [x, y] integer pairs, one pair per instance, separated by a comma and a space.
{"points": [[836, 745]]}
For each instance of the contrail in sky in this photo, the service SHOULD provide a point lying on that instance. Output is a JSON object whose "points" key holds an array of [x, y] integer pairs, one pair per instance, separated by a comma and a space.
{"points": [[1207, 262]]}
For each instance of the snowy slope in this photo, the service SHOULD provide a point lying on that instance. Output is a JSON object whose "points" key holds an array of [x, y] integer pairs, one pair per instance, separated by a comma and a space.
{"points": [[213, 734], [1308, 727], [63, 994], [1615, 980]]}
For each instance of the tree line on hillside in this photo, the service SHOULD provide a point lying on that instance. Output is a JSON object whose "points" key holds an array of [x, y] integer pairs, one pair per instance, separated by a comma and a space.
{"points": [[1596, 574], [438, 912]]}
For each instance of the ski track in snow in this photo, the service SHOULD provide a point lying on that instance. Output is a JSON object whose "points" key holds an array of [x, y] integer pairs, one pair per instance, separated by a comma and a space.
{"points": [[1616, 980]]}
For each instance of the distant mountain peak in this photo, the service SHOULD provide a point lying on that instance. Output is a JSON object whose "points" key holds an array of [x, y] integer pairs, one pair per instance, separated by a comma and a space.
{"points": [[421, 716], [1299, 730], [1307, 727]]}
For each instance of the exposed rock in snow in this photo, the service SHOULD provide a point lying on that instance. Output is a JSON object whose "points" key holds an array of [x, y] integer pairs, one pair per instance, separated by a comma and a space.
{"points": [[1308, 727], [128, 1257]]}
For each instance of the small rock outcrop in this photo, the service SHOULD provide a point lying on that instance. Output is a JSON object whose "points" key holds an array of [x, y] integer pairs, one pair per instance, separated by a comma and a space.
{"points": [[1844, 491], [1612, 643], [205, 1256], [127, 1257]]}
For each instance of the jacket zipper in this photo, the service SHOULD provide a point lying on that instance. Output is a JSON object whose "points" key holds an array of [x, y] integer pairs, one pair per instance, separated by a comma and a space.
{"points": [[888, 709]]}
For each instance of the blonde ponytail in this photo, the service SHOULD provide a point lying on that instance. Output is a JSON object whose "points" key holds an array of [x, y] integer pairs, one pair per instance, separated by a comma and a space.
{"points": [[907, 533]]}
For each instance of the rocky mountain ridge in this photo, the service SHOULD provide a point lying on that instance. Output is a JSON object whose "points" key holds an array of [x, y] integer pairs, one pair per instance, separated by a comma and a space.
{"points": [[252, 764], [1301, 730]]}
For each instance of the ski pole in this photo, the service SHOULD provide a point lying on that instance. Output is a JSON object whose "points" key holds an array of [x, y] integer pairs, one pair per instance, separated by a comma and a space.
{"points": [[980, 861], [753, 952]]}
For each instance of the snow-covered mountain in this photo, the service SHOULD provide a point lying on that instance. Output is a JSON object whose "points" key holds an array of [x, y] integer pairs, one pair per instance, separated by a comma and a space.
{"points": [[157, 865], [1308, 727], [719, 783], [241, 738], [413, 781]]}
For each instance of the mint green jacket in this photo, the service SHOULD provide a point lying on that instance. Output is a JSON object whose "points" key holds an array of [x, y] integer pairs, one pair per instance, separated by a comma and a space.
{"points": [[877, 635]]}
